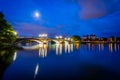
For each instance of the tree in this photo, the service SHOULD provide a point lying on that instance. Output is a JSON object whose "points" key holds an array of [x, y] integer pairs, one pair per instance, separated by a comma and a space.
{"points": [[104, 39], [118, 38], [76, 38], [6, 58], [6, 31]]}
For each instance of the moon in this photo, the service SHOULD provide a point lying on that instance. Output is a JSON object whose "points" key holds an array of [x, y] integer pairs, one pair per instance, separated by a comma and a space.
{"points": [[37, 14]]}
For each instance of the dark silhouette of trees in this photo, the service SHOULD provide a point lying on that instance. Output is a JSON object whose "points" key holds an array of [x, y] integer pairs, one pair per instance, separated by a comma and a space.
{"points": [[7, 34], [118, 38], [104, 39], [76, 38], [6, 58]]}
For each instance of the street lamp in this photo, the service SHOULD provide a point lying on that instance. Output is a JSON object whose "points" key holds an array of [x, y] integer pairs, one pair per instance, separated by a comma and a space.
{"points": [[65, 38], [43, 35], [57, 37], [15, 32], [40, 35], [69, 38], [60, 37]]}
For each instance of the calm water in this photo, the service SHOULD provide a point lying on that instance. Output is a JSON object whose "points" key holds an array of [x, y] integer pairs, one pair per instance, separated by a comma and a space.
{"points": [[62, 62]]}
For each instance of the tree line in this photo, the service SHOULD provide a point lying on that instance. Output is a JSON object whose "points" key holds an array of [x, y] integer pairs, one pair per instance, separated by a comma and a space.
{"points": [[7, 34]]}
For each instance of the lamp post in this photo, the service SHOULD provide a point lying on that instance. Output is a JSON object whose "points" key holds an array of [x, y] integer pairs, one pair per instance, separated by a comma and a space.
{"points": [[59, 37], [43, 35], [15, 32], [67, 38], [39, 35]]}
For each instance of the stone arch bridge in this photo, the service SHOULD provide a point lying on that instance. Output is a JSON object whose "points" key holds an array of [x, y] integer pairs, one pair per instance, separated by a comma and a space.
{"points": [[42, 40]]}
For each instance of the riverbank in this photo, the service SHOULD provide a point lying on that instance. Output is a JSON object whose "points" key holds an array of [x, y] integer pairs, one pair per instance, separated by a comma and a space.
{"points": [[4, 45]]}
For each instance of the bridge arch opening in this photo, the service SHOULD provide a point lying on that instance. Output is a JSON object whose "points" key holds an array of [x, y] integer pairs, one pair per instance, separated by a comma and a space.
{"points": [[39, 42]]}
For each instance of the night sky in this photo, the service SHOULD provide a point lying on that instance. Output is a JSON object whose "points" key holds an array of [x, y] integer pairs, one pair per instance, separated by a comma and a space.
{"points": [[63, 17]]}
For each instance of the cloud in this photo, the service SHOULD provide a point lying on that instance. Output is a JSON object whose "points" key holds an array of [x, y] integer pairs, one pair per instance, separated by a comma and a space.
{"points": [[29, 29], [92, 9], [95, 8]]}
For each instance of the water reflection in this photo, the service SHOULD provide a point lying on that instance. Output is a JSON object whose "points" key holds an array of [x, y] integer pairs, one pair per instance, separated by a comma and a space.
{"points": [[15, 56], [89, 46], [101, 47], [110, 47], [118, 46], [66, 47], [6, 58], [113, 47], [39, 67], [77, 45], [36, 70], [59, 49], [43, 50]]}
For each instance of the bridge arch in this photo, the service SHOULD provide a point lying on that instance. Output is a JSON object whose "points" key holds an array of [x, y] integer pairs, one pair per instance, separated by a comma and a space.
{"points": [[57, 42], [39, 42], [66, 42]]}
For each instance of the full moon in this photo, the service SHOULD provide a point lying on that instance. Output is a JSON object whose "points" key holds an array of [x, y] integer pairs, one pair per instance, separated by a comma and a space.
{"points": [[36, 14]]}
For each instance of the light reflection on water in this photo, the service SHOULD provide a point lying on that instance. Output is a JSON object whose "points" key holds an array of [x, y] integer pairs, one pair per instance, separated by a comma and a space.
{"points": [[112, 47], [15, 56], [69, 48], [45, 58], [66, 47], [43, 51], [36, 70]]}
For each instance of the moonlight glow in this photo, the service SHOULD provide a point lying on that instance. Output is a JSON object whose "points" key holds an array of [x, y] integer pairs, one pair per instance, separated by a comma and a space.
{"points": [[36, 14]]}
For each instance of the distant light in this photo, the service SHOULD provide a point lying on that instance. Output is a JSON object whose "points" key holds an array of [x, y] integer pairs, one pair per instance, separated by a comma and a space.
{"points": [[42, 35], [15, 55], [15, 33], [45, 35], [60, 36], [65, 38], [56, 37], [69, 38], [39, 35], [45, 41], [36, 70]]}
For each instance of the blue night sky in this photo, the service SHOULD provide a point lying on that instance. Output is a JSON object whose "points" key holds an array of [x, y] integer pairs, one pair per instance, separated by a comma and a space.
{"points": [[66, 17]]}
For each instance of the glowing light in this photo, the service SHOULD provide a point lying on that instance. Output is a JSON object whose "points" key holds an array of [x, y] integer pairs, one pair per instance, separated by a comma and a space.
{"points": [[36, 70], [15, 33], [15, 55], [60, 36], [68, 38], [42, 35], [43, 51], [45, 35], [65, 38], [45, 41], [37, 14], [56, 37]]}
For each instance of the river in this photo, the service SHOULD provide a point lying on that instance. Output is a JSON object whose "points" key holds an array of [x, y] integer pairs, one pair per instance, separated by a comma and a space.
{"points": [[62, 62]]}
